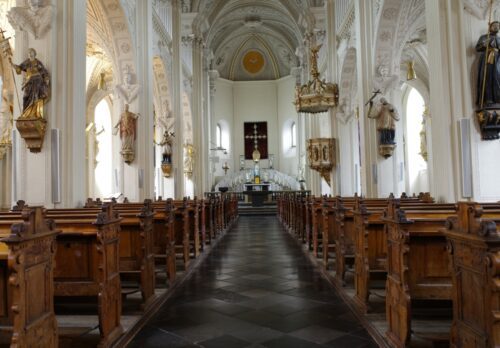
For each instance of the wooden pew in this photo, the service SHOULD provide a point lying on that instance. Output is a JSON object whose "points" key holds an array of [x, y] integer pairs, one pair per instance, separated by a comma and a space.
{"points": [[370, 247], [87, 264], [136, 242], [344, 234], [417, 265], [474, 246], [27, 268]]}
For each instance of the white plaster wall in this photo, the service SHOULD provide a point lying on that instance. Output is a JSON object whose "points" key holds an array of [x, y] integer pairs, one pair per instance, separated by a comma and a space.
{"points": [[348, 149], [249, 101], [288, 157], [256, 101], [224, 115]]}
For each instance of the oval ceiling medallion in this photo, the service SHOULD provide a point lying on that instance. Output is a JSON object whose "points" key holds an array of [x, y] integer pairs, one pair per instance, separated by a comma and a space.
{"points": [[253, 62]]}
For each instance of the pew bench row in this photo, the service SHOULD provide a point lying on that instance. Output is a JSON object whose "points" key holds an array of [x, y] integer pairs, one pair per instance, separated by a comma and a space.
{"points": [[426, 253], [68, 253]]}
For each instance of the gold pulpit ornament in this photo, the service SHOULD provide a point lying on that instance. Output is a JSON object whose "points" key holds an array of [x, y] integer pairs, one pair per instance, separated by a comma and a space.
{"points": [[316, 96], [322, 156]]}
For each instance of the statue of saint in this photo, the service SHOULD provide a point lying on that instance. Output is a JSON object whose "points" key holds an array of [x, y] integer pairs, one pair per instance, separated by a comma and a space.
{"points": [[35, 85], [128, 91], [35, 18], [488, 79], [386, 116], [167, 142], [127, 126]]}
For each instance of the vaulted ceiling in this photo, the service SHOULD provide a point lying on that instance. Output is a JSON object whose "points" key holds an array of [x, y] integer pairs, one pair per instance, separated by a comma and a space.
{"points": [[254, 39]]}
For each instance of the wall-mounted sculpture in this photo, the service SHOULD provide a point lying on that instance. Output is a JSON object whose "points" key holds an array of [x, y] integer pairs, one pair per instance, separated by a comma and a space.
{"points": [[36, 18], [128, 91], [386, 115], [488, 83], [322, 156], [167, 143], [189, 160], [32, 124], [127, 126]]}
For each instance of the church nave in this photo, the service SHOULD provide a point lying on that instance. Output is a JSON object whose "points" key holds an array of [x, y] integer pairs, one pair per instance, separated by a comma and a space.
{"points": [[256, 289]]}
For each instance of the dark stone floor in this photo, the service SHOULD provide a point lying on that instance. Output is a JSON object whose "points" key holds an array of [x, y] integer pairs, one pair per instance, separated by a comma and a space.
{"points": [[256, 289]]}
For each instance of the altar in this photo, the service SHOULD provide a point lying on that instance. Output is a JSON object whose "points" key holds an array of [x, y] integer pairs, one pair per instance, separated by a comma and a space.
{"points": [[257, 187]]}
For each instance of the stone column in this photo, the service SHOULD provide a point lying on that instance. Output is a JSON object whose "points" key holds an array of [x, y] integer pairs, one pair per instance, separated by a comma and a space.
{"points": [[332, 76], [213, 75], [62, 50], [144, 165], [199, 139], [448, 75], [178, 151], [364, 61]]}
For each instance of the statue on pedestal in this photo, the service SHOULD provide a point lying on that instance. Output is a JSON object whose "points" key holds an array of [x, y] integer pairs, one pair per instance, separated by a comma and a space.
{"points": [[35, 85], [386, 116], [167, 142], [488, 83], [36, 90], [127, 126]]}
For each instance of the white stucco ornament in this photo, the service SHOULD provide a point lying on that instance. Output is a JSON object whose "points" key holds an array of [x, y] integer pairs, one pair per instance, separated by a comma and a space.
{"points": [[127, 90], [480, 8], [36, 18]]}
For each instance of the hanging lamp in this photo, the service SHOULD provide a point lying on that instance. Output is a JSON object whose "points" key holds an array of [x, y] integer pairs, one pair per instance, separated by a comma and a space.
{"points": [[316, 96]]}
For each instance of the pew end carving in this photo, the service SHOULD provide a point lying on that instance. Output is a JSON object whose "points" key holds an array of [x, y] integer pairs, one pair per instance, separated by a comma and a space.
{"points": [[31, 260]]}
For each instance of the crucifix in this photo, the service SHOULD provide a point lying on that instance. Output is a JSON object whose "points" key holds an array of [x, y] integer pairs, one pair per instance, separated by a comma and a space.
{"points": [[255, 136]]}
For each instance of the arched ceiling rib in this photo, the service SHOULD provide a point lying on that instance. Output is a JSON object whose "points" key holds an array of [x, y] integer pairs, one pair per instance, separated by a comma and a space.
{"points": [[273, 29]]}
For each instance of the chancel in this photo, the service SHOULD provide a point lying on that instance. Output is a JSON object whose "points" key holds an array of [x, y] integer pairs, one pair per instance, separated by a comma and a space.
{"points": [[249, 173]]}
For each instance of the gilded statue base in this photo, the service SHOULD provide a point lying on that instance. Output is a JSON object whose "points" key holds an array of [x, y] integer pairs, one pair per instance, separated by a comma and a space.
{"points": [[166, 168], [386, 151], [489, 123], [32, 130], [128, 156]]}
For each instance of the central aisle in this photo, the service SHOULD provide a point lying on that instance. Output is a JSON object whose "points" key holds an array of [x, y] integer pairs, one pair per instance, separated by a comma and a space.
{"points": [[256, 289]]}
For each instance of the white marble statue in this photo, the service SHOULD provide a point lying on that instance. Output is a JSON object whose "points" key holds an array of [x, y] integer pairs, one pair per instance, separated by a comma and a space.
{"points": [[36, 18], [127, 90]]}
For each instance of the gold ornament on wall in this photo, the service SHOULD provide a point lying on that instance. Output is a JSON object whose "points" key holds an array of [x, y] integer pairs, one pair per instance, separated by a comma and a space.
{"points": [[189, 160], [322, 156], [316, 96], [410, 71]]}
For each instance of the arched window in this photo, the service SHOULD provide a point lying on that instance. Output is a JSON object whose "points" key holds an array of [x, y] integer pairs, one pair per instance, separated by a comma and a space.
{"points": [[414, 139], [294, 135], [103, 150], [218, 136]]}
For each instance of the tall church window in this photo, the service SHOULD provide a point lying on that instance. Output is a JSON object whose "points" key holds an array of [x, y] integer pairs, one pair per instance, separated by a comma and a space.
{"points": [[294, 135], [103, 150], [417, 165], [218, 135]]}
